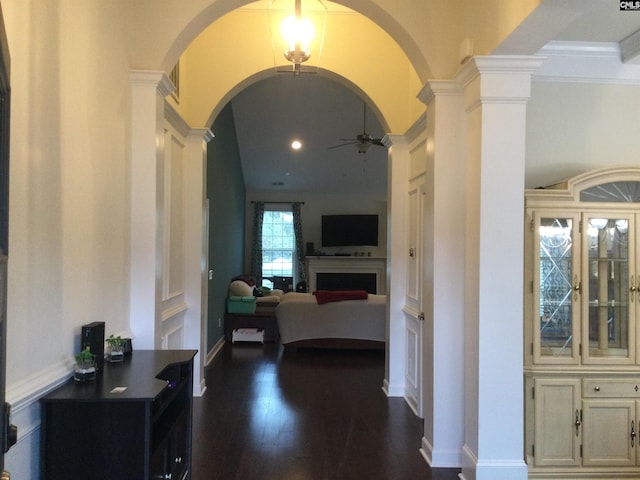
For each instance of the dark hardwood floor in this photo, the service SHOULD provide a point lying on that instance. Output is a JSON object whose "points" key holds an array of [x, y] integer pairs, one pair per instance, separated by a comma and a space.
{"points": [[313, 414]]}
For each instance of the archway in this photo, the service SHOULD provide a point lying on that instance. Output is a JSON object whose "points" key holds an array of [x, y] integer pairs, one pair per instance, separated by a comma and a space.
{"points": [[211, 74]]}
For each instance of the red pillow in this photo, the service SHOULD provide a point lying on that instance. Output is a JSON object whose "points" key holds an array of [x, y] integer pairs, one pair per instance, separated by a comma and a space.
{"points": [[326, 296]]}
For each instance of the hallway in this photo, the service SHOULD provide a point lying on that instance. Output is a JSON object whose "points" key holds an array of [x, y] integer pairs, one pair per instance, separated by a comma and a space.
{"points": [[305, 415]]}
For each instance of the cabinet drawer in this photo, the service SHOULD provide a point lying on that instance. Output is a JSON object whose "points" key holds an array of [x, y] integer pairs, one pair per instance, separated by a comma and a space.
{"points": [[611, 387]]}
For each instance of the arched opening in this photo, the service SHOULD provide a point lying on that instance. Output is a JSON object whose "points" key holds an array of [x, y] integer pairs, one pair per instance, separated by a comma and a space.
{"points": [[357, 54]]}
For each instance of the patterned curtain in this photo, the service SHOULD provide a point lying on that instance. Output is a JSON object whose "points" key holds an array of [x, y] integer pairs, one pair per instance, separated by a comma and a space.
{"points": [[297, 230], [256, 246]]}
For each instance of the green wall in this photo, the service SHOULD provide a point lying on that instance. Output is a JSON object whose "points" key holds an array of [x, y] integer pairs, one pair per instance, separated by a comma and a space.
{"points": [[226, 194]]}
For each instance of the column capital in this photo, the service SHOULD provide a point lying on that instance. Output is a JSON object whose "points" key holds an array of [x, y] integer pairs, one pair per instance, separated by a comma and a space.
{"points": [[393, 139], [202, 133], [498, 78], [151, 78], [434, 88]]}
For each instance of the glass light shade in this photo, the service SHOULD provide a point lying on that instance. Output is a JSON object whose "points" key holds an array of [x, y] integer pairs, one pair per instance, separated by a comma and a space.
{"points": [[298, 34], [598, 223], [622, 225]]}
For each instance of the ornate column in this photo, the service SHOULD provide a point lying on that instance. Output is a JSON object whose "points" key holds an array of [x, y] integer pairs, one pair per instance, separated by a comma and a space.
{"points": [[396, 213], [148, 91], [496, 91], [196, 254], [443, 275]]}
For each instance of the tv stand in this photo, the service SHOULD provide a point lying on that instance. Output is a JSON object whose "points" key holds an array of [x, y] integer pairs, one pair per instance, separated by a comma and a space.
{"points": [[90, 430]]}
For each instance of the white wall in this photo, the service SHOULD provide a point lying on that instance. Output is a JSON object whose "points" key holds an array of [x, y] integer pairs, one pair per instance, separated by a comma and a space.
{"points": [[576, 127], [69, 196], [314, 207]]}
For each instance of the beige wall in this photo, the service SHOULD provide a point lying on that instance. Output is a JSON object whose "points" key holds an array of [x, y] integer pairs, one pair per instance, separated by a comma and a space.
{"points": [[69, 178], [70, 151], [576, 127]]}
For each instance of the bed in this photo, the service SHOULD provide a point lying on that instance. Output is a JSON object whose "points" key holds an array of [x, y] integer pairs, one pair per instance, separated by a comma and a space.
{"points": [[303, 322]]}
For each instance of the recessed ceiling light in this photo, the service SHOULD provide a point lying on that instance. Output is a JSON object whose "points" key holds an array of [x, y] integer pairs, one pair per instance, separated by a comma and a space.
{"points": [[296, 144]]}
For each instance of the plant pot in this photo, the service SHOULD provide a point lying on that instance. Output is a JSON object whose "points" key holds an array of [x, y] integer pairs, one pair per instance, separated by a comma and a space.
{"points": [[84, 372], [115, 353]]}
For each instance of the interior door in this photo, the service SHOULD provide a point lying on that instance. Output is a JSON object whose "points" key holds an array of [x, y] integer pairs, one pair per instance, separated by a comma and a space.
{"points": [[414, 315]]}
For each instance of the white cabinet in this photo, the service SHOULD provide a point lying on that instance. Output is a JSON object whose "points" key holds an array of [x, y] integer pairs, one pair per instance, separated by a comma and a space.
{"points": [[556, 438], [608, 426], [588, 425], [582, 346]]}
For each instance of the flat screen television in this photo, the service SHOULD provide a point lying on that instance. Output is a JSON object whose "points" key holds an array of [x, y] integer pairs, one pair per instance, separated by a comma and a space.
{"points": [[349, 230]]}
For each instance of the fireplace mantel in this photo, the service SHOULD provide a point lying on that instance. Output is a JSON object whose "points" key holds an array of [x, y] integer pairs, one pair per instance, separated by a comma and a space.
{"points": [[348, 264]]}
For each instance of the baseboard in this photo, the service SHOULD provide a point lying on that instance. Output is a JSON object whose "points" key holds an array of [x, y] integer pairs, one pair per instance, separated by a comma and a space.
{"points": [[392, 390], [474, 469], [214, 351], [440, 458], [413, 404]]}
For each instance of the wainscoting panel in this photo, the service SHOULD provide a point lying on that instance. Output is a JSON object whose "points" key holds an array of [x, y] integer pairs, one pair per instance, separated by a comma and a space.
{"points": [[413, 367]]}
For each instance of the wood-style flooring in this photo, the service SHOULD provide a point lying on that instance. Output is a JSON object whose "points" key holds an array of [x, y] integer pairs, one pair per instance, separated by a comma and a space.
{"points": [[271, 414]]}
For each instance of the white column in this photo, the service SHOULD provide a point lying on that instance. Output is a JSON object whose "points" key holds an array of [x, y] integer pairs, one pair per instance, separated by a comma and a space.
{"points": [[443, 278], [396, 268], [196, 241], [496, 91], [148, 90]]}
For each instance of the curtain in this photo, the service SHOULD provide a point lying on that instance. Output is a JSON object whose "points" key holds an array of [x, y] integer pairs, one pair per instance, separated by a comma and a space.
{"points": [[256, 245], [297, 230]]}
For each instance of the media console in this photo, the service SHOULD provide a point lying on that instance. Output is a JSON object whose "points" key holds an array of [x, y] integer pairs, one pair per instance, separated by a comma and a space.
{"points": [[132, 422]]}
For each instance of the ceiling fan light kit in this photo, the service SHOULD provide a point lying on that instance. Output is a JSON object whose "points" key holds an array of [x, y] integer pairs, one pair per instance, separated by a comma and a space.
{"points": [[363, 140]]}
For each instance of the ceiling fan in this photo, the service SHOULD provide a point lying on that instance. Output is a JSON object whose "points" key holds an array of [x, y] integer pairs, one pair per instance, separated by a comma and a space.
{"points": [[363, 140]]}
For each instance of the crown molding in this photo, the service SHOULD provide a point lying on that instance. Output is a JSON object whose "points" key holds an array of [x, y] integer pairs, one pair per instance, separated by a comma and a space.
{"points": [[585, 62]]}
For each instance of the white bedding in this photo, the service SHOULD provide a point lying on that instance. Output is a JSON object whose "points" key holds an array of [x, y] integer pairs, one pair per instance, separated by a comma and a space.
{"points": [[301, 318]]}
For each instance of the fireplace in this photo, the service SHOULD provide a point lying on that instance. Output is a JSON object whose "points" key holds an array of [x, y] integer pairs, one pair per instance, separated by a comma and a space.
{"points": [[347, 273], [346, 281]]}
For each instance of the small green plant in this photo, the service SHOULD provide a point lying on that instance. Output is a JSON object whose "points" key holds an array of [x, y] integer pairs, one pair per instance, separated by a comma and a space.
{"points": [[113, 341], [85, 368], [115, 350], [85, 357]]}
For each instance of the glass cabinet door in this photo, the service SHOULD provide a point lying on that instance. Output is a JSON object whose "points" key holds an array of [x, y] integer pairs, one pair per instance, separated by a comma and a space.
{"points": [[607, 332], [556, 288]]}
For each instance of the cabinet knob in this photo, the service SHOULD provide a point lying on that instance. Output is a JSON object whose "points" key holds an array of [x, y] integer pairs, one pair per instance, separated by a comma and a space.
{"points": [[596, 388]]}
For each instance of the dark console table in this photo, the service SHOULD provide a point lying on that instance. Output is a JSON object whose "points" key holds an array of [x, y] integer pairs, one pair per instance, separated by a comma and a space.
{"points": [[132, 423]]}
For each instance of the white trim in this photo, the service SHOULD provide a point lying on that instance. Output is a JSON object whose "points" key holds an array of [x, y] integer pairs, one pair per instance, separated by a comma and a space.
{"points": [[23, 393], [174, 311], [585, 62], [440, 458], [213, 353], [393, 390]]}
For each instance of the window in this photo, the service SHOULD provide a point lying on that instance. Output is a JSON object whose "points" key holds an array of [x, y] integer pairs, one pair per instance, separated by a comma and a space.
{"points": [[278, 246]]}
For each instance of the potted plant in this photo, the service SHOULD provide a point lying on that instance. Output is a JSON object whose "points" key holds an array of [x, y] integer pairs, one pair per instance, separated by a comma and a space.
{"points": [[85, 367], [115, 348]]}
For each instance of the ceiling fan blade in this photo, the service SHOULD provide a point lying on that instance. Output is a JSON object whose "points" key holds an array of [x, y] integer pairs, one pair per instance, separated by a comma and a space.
{"points": [[344, 144], [377, 141]]}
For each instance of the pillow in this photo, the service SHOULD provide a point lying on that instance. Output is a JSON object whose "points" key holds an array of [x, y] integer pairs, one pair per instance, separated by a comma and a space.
{"points": [[238, 288], [327, 296]]}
